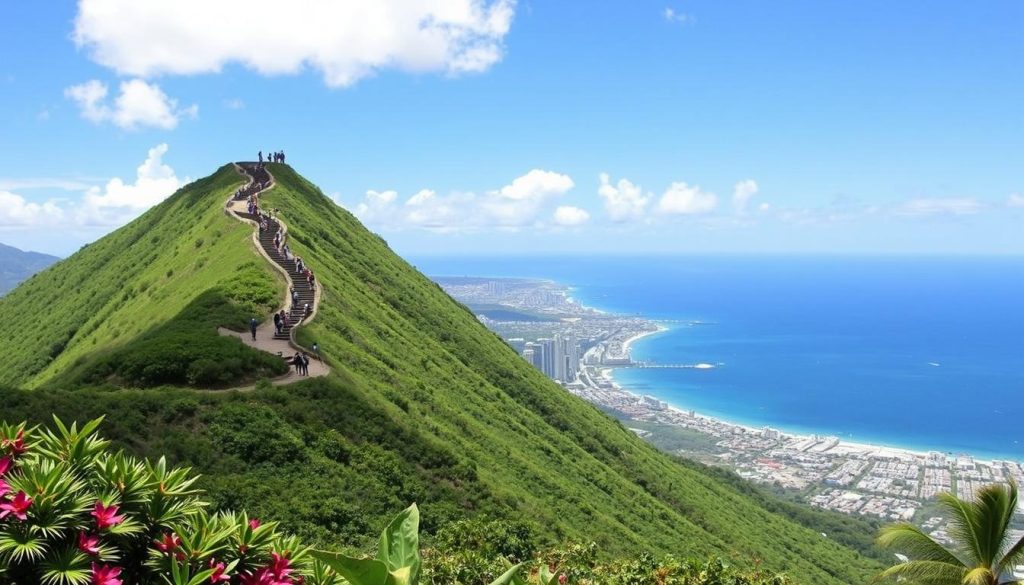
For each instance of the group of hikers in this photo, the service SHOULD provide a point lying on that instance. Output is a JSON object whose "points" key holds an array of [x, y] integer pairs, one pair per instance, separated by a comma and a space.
{"points": [[277, 157], [265, 220]]}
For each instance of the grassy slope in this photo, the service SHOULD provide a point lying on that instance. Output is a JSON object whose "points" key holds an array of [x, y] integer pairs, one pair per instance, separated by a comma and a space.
{"points": [[136, 279], [390, 331], [454, 415]]}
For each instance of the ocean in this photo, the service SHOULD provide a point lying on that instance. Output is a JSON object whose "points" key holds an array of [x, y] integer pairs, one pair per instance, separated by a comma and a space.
{"points": [[924, 353]]}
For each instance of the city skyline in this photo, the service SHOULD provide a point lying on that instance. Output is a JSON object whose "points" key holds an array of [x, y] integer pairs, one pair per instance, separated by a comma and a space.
{"points": [[499, 126]]}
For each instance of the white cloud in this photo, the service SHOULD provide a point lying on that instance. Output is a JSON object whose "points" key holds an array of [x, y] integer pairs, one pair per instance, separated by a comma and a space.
{"points": [[118, 202], [113, 204], [682, 199], [1015, 200], [234, 104], [139, 104], [518, 204], [568, 215], [940, 206], [343, 41], [623, 201], [16, 211], [422, 197], [671, 15], [742, 193]]}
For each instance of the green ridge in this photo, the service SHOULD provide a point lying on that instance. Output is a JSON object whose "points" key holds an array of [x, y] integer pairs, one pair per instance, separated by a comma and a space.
{"points": [[423, 402]]}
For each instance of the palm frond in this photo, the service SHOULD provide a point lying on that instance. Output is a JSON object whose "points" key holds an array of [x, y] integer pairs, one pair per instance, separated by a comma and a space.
{"points": [[926, 573], [913, 542]]}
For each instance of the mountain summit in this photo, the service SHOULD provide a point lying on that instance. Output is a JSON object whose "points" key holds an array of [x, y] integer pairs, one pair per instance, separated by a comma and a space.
{"points": [[422, 403]]}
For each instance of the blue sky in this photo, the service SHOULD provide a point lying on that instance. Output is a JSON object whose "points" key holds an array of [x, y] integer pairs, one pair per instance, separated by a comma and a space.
{"points": [[471, 127]]}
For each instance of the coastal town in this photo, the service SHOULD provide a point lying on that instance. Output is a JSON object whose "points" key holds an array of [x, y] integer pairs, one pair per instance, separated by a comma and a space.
{"points": [[580, 348]]}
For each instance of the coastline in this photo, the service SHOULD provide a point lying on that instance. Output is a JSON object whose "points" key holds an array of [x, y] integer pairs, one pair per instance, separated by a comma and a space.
{"points": [[842, 447]]}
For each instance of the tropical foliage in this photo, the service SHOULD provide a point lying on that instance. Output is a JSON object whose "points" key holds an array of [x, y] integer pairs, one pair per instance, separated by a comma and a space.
{"points": [[985, 553], [72, 513]]}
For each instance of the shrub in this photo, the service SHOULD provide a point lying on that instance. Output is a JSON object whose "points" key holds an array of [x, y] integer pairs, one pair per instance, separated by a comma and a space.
{"points": [[72, 513]]}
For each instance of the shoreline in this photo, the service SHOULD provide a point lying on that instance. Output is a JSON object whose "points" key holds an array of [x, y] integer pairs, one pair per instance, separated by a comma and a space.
{"points": [[842, 447], [627, 345]]}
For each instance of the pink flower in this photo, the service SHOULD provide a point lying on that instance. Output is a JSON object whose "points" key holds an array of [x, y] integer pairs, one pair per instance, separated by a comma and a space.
{"points": [[4, 488], [169, 543], [562, 579], [280, 566], [105, 575], [89, 543], [254, 523], [16, 445], [219, 575], [5, 465], [258, 577], [16, 507], [106, 516]]}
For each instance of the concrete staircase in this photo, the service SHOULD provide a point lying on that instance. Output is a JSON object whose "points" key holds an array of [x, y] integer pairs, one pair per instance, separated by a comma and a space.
{"points": [[261, 181]]}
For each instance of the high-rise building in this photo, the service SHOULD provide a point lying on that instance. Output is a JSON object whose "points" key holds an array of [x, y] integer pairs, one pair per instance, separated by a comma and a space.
{"points": [[533, 354], [547, 359], [559, 359]]}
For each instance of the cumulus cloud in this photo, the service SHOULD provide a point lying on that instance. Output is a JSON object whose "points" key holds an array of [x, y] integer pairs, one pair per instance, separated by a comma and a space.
{"points": [[517, 204], [683, 199], [1015, 200], [139, 104], [118, 201], [742, 193], [16, 211], [343, 41], [940, 206], [567, 215], [623, 201], [112, 204]]}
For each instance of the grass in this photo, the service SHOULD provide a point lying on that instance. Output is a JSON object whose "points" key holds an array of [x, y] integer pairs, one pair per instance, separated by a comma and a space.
{"points": [[423, 403], [137, 281]]}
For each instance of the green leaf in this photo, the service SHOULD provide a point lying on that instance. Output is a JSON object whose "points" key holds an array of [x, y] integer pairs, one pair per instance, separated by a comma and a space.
{"points": [[399, 544], [509, 577], [355, 571]]}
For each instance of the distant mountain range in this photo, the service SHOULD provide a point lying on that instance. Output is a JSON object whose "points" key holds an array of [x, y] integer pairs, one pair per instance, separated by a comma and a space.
{"points": [[17, 265]]}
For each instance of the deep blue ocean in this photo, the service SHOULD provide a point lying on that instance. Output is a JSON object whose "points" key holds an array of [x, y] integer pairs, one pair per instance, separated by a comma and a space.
{"points": [[924, 353]]}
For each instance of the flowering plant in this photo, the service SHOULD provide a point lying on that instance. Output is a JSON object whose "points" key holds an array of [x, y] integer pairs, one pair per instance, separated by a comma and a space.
{"points": [[74, 513]]}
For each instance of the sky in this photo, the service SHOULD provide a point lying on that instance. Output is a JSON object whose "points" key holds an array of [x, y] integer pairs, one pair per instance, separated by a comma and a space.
{"points": [[495, 127]]}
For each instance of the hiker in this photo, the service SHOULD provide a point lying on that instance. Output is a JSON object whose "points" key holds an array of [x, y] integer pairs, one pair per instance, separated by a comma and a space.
{"points": [[306, 311], [312, 280], [277, 322], [305, 364], [252, 327], [261, 157], [295, 297], [297, 362], [316, 352], [284, 319]]}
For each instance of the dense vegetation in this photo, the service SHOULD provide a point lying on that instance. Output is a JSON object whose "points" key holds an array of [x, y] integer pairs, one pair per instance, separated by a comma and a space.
{"points": [[423, 403], [73, 512]]}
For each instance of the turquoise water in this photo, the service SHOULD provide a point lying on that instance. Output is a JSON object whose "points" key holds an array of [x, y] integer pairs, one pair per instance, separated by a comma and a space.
{"points": [[926, 353]]}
